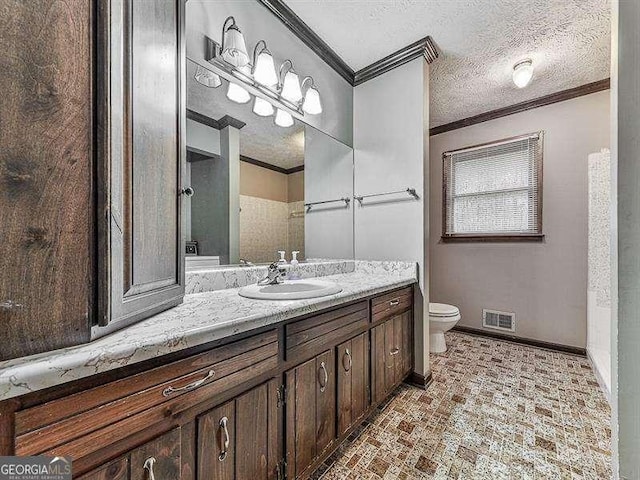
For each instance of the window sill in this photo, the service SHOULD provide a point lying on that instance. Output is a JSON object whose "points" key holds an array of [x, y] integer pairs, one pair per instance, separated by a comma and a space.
{"points": [[505, 238]]}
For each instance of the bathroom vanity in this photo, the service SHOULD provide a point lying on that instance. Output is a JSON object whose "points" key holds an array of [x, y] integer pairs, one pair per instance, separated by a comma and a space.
{"points": [[263, 390]]}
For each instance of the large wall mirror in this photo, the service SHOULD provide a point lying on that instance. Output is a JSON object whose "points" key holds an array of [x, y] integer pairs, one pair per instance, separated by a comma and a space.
{"points": [[259, 187]]}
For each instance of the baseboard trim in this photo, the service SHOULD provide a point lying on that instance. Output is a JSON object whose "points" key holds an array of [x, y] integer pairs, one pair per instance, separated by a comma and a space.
{"points": [[419, 380], [525, 341], [600, 380]]}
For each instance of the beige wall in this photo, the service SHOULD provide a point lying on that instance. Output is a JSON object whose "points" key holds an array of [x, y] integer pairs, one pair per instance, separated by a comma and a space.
{"points": [[296, 186], [263, 183], [545, 284]]}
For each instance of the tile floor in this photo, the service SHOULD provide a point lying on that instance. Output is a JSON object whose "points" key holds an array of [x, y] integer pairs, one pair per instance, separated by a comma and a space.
{"points": [[495, 410]]}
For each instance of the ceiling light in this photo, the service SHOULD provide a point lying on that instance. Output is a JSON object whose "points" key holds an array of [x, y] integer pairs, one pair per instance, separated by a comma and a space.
{"points": [[311, 103], [290, 83], [207, 77], [234, 49], [237, 94], [264, 71], [283, 119], [522, 73], [262, 108]]}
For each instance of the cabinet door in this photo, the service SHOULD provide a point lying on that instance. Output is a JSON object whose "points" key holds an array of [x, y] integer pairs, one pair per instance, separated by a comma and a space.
{"points": [[141, 153], [239, 439], [311, 412], [159, 458], [391, 354], [352, 381], [378, 363]]}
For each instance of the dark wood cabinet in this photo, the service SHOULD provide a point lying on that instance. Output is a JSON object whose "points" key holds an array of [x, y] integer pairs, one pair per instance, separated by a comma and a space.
{"points": [[157, 459], [311, 414], [239, 439], [391, 354], [352, 381], [260, 405], [141, 155]]}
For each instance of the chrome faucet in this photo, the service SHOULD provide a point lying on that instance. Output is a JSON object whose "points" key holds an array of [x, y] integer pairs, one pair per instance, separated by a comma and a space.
{"points": [[245, 263], [275, 275]]}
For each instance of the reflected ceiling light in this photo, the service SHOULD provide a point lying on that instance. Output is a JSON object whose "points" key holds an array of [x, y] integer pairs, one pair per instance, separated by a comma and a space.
{"points": [[522, 73], [237, 94], [264, 71], [290, 83], [234, 49], [207, 77], [283, 119], [262, 108], [311, 103]]}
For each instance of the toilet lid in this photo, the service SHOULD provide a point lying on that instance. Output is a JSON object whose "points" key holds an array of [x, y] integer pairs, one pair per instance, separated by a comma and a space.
{"points": [[443, 310]]}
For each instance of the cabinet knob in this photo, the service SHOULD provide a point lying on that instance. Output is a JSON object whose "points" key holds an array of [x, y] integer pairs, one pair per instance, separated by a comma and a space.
{"points": [[187, 191], [225, 441], [347, 356], [148, 467], [325, 377]]}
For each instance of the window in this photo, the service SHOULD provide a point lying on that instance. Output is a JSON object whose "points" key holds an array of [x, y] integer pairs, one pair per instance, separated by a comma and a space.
{"points": [[493, 191]]}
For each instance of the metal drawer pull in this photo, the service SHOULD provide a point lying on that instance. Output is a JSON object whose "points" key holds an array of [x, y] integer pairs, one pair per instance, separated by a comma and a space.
{"points": [[323, 384], [225, 443], [191, 386], [347, 354], [394, 303], [395, 351], [148, 466]]}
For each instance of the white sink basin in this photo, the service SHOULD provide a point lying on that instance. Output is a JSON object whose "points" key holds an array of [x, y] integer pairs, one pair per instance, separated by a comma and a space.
{"points": [[291, 290]]}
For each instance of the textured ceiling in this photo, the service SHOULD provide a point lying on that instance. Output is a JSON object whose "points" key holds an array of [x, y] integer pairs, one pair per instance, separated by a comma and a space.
{"points": [[260, 139], [479, 42]]}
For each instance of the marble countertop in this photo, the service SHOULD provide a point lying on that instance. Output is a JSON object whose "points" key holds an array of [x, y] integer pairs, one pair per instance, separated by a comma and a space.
{"points": [[202, 318]]}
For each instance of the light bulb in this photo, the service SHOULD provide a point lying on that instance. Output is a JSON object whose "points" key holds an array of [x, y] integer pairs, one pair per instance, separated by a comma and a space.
{"points": [[291, 87], [237, 94], [283, 119], [265, 71], [312, 104], [522, 73], [262, 108], [235, 49], [207, 78]]}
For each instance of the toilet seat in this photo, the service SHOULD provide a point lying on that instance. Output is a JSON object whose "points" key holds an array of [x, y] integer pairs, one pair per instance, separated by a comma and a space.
{"points": [[442, 310]]}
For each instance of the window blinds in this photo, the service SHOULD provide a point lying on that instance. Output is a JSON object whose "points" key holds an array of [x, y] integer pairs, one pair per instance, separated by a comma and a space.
{"points": [[494, 189]]}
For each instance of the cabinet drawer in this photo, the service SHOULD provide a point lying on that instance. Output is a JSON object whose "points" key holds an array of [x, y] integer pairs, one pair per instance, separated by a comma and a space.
{"points": [[391, 304], [87, 421], [309, 337]]}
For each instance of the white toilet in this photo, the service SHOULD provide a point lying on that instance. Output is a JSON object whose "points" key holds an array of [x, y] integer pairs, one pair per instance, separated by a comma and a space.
{"points": [[442, 318]]}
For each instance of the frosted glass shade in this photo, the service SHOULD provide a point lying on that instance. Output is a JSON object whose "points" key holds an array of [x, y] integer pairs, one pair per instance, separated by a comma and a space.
{"points": [[235, 49], [291, 87], [312, 104], [237, 94], [522, 73], [207, 77], [262, 108], [265, 71], [283, 119]]}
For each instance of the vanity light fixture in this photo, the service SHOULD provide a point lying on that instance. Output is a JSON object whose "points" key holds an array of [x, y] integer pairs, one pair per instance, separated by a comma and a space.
{"points": [[311, 103], [522, 73], [262, 108], [264, 71], [234, 49], [283, 119], [289, 83], [207, 77], [237, 94]]}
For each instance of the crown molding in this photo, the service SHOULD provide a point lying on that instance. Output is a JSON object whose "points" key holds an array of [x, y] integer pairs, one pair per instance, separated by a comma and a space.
{"points": [[309, 37], [422, 48], [268, 166], [226, 121], [561, 96]]}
